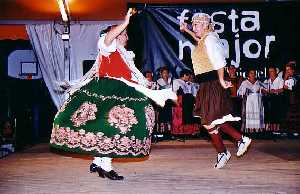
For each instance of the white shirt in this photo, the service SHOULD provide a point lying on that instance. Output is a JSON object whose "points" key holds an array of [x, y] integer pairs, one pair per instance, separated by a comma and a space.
{"points": [[215, 50], [290, 83], [276, 84], [152, 85], [179, 83], [127, 56], [161, 84]]}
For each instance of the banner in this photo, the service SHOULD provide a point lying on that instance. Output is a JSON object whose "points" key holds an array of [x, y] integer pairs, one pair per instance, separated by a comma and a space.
{"points": [[254, 35]]}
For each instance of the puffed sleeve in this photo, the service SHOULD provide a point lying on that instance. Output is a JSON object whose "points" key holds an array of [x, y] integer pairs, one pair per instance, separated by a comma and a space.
{"points": [[215, 51], [104, 49]]}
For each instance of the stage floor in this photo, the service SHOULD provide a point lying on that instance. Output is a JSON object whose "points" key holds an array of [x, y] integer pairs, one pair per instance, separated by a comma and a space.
{"points": [[172, 168]]}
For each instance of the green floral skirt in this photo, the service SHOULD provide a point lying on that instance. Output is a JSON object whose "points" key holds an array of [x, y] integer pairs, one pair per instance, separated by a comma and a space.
{"points": [[104, 118]]}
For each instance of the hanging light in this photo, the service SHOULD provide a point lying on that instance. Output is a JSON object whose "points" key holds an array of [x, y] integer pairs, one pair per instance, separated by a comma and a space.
{"points": [[64, 10]]}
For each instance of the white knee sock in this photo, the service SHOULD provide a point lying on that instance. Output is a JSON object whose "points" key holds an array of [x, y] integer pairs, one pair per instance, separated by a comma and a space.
{"points": [[103, 162], [97, 161], [106, 164]]}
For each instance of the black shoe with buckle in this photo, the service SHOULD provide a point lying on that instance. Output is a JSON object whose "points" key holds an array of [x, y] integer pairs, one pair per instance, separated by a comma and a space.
{"points": [[112, 175], [93, 168]]}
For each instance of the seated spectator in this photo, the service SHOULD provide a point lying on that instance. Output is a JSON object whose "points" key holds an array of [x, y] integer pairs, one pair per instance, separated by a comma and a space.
{"points": [[165, 113], [252, 109], [165, 80], [180, 85], [7, 138], [182, 113], [193, 87], [273, 100], [7, 131], [149, 76]]}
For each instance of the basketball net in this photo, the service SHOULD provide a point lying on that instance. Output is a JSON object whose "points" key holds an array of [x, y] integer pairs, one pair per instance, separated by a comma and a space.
{"points": [[29, 77]]}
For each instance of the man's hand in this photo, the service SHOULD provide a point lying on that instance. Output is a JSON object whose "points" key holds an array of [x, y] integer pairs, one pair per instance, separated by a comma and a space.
{"points": [[225, 84], [183, 27]]}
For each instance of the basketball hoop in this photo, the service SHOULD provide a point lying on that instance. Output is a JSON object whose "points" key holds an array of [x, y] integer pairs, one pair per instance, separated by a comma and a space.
{"points": [[29, 76]]}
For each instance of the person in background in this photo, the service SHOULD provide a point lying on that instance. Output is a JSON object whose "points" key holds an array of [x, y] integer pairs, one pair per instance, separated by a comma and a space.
{"points": [[180, 85], [291, 100], [253, 109], [165, 80], [213, 104], [182, 113], [165, 113], [234, 79], [149, 76], [273, 100], [289, 76], [193, 86]]}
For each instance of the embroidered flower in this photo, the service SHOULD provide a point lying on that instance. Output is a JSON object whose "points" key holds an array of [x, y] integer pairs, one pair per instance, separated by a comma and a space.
{"points": [[74, 138], [107, 144], [122, 118], [62, 133], [124, 144], [84, 113], [150, 118], [90, 139]]}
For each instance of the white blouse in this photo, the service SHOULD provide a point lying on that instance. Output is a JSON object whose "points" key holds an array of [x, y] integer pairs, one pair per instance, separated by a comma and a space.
{"points": [[127, 56], [290, 83], [161, 84], [247, 87]]}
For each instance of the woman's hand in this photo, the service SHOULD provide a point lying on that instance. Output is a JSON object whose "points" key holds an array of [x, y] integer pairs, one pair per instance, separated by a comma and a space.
{"points": [[128, 15]]}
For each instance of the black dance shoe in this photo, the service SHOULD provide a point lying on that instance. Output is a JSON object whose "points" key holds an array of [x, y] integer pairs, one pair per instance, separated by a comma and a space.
{"points": [[93, 168], [112, 175]]}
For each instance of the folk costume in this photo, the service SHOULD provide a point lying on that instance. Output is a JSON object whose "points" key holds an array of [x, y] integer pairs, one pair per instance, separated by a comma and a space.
{"points": [[213, 103], [252, 108], [273, 103], [110, 115]]}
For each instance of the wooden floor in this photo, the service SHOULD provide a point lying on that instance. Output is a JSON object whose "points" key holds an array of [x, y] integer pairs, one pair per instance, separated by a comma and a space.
{"points": [[173, 168]]}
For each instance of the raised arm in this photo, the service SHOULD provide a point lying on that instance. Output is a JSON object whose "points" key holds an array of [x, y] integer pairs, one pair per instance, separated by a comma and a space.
{"points": [[113, 33], [184, 28]]}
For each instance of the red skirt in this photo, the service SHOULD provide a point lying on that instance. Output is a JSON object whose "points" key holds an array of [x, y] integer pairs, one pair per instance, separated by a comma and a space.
{"points": [[178, 126]]}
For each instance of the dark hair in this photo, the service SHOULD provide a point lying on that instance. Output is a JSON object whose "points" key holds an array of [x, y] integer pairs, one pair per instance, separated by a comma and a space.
{"points": [[184, 72], [250, 69], [147, 71], [163, 69], [272, 67], [291, 64]]}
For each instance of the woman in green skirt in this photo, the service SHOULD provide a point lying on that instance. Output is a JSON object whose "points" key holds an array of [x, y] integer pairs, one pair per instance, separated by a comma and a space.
{"points": [[110, 115]]}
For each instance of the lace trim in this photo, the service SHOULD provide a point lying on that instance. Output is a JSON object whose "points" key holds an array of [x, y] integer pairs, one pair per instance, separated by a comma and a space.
{"points": [[103, 98]]}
